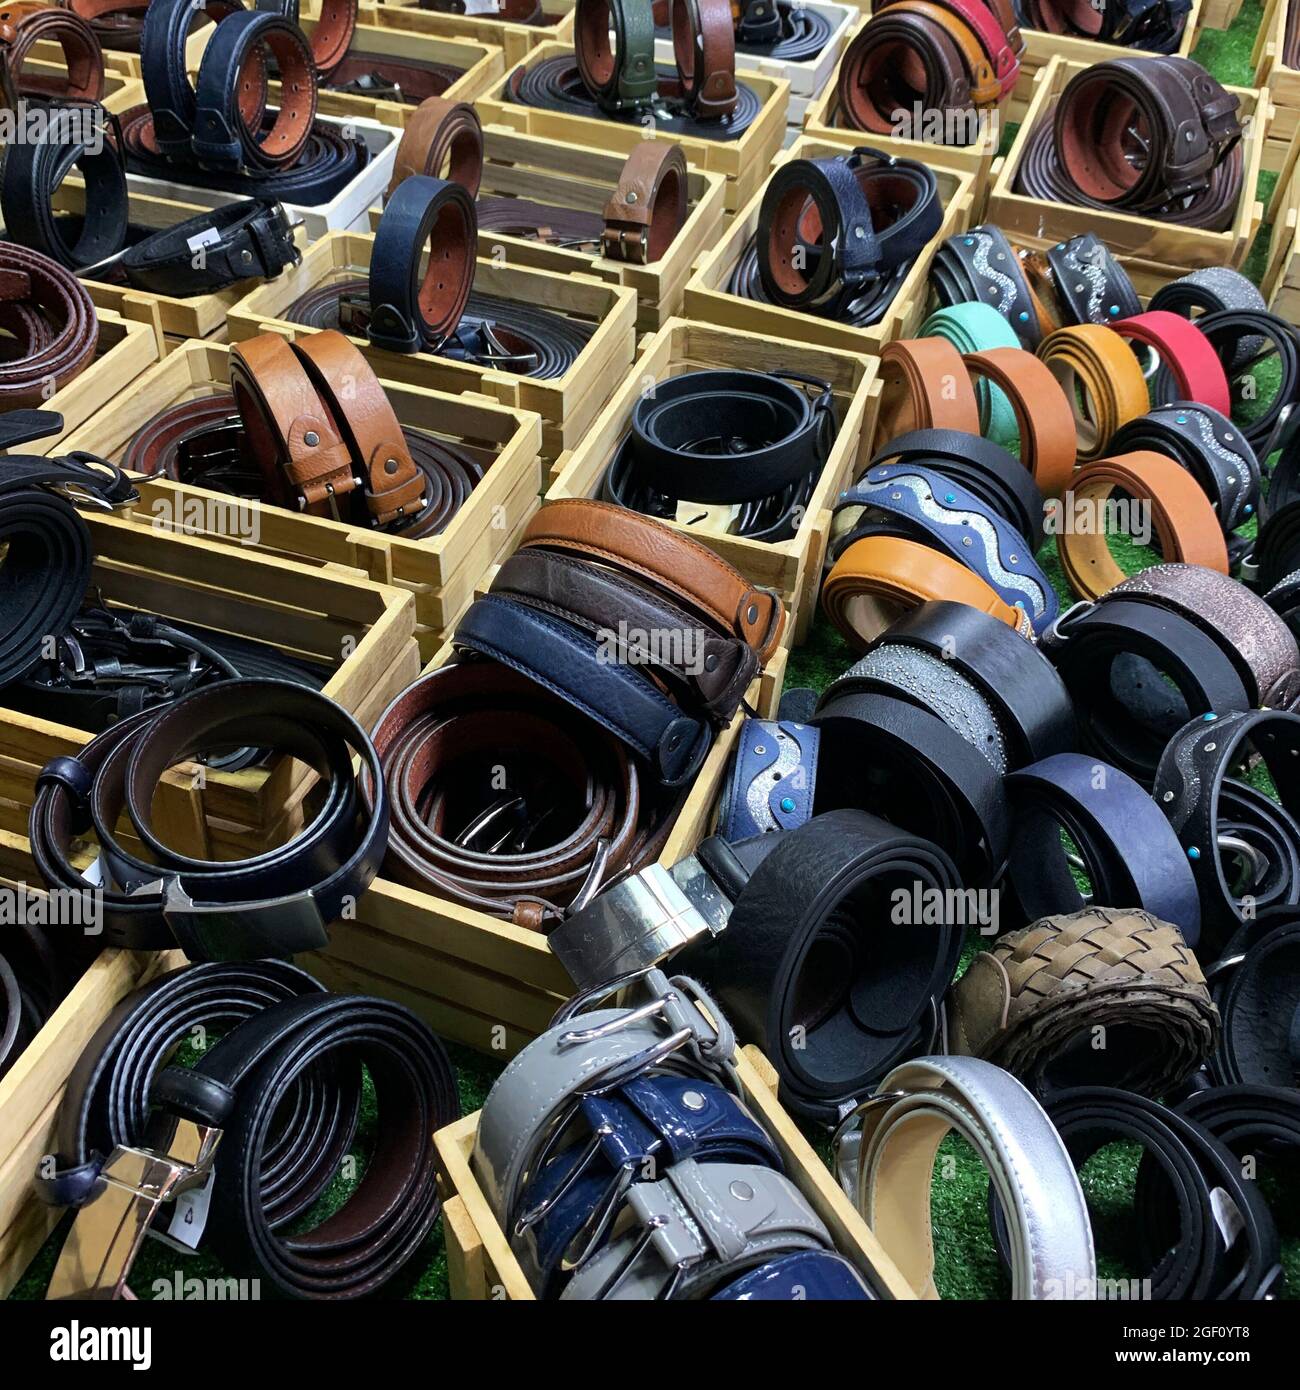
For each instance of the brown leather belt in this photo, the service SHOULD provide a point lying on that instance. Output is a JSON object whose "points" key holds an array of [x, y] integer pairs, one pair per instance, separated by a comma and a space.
{"points": [[993, 58], [704, 45], [26, 24], [650, 551], [879, 578], [51, 320], [1102, 380], [925, 386], [193, 442], [649, 205], [459, 829], [441, 132], [320, 425], [391, 79], [332, 35], [1184, 520], [1043, 415], [897, 59]]}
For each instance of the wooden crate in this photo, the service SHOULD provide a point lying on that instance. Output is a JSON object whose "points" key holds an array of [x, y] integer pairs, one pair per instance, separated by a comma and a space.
{"points": [[330, 615], [515, 40], [822, 121], [1280, 280], [480, 1263], [441, 571], [567, 404], [743, 161], [126, 350], [576, 176], [1152, 252], [1282, 83], [790, 567], [707, 296], [128, 64], [474, 978]]}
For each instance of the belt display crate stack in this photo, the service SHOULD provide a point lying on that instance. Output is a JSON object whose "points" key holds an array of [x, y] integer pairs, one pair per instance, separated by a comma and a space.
{"points": [[1279, 78]]}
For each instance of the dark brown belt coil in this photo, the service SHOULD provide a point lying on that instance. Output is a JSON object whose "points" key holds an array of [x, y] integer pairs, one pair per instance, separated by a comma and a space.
{"points": [[52, 322]]}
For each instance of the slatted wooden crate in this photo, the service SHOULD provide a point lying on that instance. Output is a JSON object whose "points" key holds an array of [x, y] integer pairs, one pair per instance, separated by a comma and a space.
{"points": [[1217, 14], [480, 1263], [792, 568], [1281, 82], [515, 40], [483, 982], [743, 161], [567, 405], [440, 572], [121, 90], [575, 176], [708, 298], [128, 64], [1280, 280], [1152, 252], [125, 351]]}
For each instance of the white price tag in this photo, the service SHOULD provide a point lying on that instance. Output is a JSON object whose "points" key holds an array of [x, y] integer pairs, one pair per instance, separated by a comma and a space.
{"points": [[189, 1217], [1227, 1216], [204, 238], [94, 873], [481, 7]]}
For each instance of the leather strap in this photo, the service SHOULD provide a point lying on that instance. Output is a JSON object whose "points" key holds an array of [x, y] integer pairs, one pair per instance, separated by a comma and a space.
{"points": [[1044, 419], [878, 578], [887, 1163], [646, 550], [441, 136], [1227, 331], [1184, 353], [1211, 290], [224, 137], [981, 266], [53, 323], [35, 975], [813, 1274], [1257, 990], [1031, 1004], [993, 40], [163, 65], [1129, 855], [1247, 1119], [410, 311], [977, 328], [331, 35], [1100, 378], [649, 205], [924, 386], [613, 42], [772, 781], [25, 24], [1153, 26], [899, 58], [217, 249], [385, 78], [1184, 521], [275, 903], [704, 46], [1091, 285]]}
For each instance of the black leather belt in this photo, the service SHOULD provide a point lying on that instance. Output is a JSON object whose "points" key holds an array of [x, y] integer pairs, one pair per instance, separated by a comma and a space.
{"points": [[1248, 1119], [33, 171], [555, 84], [35, 975], [1184, 1178], [163, 66], [750, 439], [385, 78], [214, 250], [1090, 283], [981, 266], [1256, 985], [275, 903], [788, 33], [277, 1100], [806, 966]]}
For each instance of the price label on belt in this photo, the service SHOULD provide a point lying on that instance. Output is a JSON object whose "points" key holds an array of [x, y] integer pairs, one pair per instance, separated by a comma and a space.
{"points": [[189, 1218]]}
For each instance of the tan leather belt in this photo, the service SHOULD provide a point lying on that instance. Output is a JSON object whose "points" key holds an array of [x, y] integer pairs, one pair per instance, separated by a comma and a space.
{"points": [[649, 205], [1043, 415], [704, 45], [1102, 380], [26, 24], [441, 132], [320, 425], [651, 551], [878, 578], [1184, 520], [925, 387]]}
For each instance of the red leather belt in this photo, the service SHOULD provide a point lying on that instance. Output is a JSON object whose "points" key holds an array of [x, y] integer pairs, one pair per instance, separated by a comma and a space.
{"points": [[51, 320], [649, 205], [1187, 353], [26, 24]]}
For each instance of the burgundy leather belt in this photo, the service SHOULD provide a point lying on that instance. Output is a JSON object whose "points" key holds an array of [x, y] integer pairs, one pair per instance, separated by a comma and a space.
{"points": [[570, 228], [25, 24], [649, 205], [52, 321]]}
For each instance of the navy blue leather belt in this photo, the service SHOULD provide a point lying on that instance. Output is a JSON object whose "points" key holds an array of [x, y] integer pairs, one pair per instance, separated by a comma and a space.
{"points": [[162, 65]]}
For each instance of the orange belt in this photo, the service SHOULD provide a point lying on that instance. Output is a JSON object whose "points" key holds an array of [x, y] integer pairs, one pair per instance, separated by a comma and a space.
{"points": [[1102, 378], [1043, 414]]}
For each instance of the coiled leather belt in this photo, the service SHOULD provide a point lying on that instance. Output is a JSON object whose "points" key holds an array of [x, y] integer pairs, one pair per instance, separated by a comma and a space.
{"points": [[1153, 28], [1210, 290], [53, 323], [981, 266], [1100, 377], [277, 1102], [649, 205], [1045, 420], [386, 78], [974, 328], [785, 32], [441, 135], [555, 84], [167, 84], [1091, 285], [924, 386], [24, 25], [275, 903], [1227, 332], [1185, 355], [35, 975], [1257, 989], [569, 228], [704, 46], [240, 241], [614, 45], [753, 440], [1246, 1119]]}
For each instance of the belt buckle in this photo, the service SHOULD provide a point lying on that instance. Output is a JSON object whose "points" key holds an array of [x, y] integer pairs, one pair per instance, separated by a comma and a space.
{"points": [[134, 1183], [354, 314], [206, 445], [369, 84]]}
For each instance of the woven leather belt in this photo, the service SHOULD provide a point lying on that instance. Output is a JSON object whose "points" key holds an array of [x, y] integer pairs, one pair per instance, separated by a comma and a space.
{"points": [[754, 441], [241, 241], [1181, 513], [53, 323], [1211, 290], [1226, 825], [24, 25], [880, 577], [885, 1160], [924, 386], [981, 266], [1112, 655], [649, 205], [33, 171], [1213, 451], [441, 135], [1044, 418], [1101, 378], [225, 138], [167, 86], [1188, 1185], [1091, 285], [1126, 848], [276, 1101], [704, 47], [613, 42], [275, 903], [1031, 1004]]}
